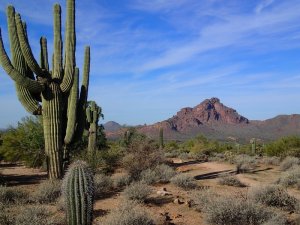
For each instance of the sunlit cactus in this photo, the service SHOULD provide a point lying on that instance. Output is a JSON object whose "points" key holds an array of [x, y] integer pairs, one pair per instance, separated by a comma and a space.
{"points": [[57, 89], [93, 114], [78, 194]]}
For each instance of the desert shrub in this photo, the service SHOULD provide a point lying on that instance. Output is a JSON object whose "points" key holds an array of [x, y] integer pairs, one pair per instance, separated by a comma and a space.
{"points": [[231, 181], [24, 143], [129, 213], [36, 215], [277, 220], [5, 218], [286, 146], [12, 195], [290, 177], [276, 196], [172, 154], [137, 191], [288, 162], [184, 156], [160, 174], [274, 161], [48, 191], [103, 184], [141, 155], [244, 163], [184, 181], [233, 211], [220, 210], [122, 181]]}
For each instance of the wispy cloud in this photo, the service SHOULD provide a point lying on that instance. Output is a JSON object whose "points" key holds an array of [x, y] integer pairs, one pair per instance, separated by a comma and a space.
{"points": [[262, 5]]}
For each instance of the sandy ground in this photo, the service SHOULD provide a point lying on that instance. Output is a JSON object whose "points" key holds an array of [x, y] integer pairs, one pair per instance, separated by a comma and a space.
{"points": [[206, 174]]}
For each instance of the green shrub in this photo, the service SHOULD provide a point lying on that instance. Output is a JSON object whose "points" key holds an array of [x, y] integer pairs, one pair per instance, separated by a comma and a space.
{"points": [[286, 146], [12, 195], [276, 196], [231, 181], [103, 184], [48, 191], [289, 162], [129, 213], [24, 143], [137, 191], [184, 181]]}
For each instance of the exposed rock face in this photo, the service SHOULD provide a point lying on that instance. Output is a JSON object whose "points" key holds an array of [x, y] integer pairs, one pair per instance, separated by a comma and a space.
{"points": [[209, 112]]}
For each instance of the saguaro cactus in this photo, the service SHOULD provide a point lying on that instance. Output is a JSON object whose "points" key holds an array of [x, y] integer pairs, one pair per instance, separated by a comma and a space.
{"points": [[161, 138], [93, 113], [78, 193], [253, 145], [56, 89]]}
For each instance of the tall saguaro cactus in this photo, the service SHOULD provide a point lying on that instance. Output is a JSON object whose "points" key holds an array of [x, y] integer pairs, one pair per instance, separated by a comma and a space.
{"points": [[93, 114], [57, 89]]}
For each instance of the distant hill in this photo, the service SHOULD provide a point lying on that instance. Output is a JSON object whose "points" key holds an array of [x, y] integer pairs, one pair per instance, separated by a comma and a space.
{"points": [[112, 126], [214, 120]]}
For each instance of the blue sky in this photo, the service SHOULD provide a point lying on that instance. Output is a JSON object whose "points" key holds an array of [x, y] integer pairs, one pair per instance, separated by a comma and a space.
{"points": [[151, 58]]}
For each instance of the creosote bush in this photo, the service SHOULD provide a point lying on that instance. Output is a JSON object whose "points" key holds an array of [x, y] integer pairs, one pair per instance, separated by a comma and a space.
{"points": [[289, 162], [184, 181], [276, 196], [48, 191], [137, 191], [274, 161], [231, 181], [244, 163], [129, 213], [122, 181], [141, 154]]}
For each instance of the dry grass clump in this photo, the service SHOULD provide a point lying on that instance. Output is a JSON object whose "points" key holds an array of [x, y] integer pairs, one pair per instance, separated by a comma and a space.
{"points": [[245, 163], [160, 174], [231, 181], [12, 195], [274, 161], [103, 184], [184, 181], [48, 191], [36, 215], [220, 210], [122, 181], [290, 177], [137, 191], [276, 196], [289, 162], [129, 213]]}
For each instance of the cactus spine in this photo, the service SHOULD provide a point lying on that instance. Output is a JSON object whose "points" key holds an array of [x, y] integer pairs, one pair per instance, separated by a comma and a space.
{"points": [[93, 113], [57, 89], [78, 193], [161, 138]]}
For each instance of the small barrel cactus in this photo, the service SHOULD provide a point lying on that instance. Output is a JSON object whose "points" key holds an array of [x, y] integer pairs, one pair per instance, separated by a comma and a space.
{"points": [[78, 193]]}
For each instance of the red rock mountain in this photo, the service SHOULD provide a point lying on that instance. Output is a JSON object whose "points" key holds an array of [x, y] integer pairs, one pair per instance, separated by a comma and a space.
{"points": [[214, 120]]}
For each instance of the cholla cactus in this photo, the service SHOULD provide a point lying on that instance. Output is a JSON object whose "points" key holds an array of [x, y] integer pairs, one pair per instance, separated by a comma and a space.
{"points": [[78, 194], [93, 114], [57, 89]]}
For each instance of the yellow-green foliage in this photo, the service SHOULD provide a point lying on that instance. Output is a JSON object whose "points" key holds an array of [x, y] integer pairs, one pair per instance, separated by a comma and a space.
{"points": [[25, 142], [284, 147]]}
